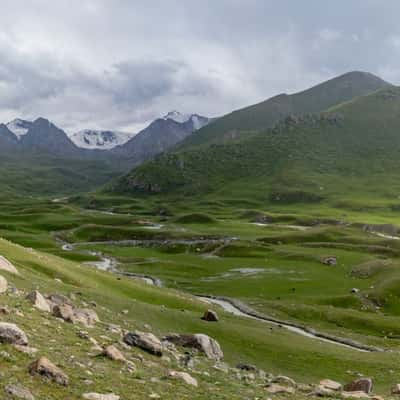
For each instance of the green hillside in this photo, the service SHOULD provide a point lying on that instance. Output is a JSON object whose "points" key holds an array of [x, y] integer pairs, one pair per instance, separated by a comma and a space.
{"points": [[267, 113], [47, 175], [353, 148]]}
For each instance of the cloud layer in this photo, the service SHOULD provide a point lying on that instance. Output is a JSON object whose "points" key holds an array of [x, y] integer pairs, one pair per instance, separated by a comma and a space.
{"points": [[118, 64]]}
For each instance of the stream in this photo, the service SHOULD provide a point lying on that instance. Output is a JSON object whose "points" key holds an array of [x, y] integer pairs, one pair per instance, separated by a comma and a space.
{"points": [[242, 310], [229, 305]]}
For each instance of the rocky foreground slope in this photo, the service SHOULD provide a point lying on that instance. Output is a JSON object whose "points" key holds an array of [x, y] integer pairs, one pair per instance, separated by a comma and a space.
{"points": [[64, 335]]}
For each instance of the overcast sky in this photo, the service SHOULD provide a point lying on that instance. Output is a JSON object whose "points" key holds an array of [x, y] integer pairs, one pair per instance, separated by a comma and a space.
{"points": [[117, 64]]}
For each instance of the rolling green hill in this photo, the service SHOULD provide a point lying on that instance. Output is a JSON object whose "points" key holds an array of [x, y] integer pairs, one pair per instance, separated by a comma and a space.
{"points": [[49, 175], [267, 113], [352, 148]]}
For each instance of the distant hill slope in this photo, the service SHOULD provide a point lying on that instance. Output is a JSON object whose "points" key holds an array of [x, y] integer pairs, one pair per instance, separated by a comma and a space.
{"points": [[355, 144], [266, 114]]}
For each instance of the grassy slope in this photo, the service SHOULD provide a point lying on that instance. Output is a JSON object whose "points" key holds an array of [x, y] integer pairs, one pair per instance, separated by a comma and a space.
{"points": [[266, 114], [321, 298], [53, 176], [297, 161]]}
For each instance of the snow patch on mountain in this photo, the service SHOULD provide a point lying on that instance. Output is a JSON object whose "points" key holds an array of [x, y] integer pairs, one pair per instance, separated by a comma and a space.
{"points": [[197, 121], [98, 139], [177, 116], [19, 127]]}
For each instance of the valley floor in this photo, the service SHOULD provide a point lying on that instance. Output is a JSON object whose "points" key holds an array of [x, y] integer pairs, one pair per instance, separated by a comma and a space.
{"points": [[313, 270]]}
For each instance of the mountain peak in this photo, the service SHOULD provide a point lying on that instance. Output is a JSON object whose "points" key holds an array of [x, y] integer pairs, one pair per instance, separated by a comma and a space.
{"points": [[177, 116], [19, 127]]}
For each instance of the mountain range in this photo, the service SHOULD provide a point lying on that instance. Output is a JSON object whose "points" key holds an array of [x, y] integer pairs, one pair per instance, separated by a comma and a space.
{"points": [[42, 136]]}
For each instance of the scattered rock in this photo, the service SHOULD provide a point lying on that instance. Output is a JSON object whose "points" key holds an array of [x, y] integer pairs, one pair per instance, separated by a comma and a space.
{"points": [[3, 284], [144, 340], [4, 310], [284, 380], [359, 385], [85, 316], [322, 391], [5, 265], [19, 392], [46, 368], [38, 301], [396, 389], [25, 349], [113, 353], [199, 341], [184, 376], [11, 333], [355, 395], [59, 299], [64, 311], [274, 388], [98, 396], [331, 260], [247, 367], [332, 385], [210, 316]]}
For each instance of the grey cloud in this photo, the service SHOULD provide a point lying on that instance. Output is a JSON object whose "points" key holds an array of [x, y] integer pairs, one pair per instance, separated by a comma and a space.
{"points": [[97, 63]]}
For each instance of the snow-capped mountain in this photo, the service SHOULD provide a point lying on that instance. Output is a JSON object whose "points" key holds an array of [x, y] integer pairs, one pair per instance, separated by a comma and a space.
{"points": [[100, 140], [161, 135], [19, 127], [197, 121]]}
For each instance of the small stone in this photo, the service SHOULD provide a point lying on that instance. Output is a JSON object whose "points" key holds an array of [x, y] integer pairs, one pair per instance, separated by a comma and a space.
{"points": [[184, 376], [246, 367], [113, 353], [64, 311], [38, 301], [332, 385], [46, 368], [355, 395], [199, 341], [396, 389], [98, 396], [322, 391], [359, 385], [284, 380], [5, 265], [3, 284], [274, 388], [11, 333], [26, 349], [210, 316], [144, 340], [19, 392]]}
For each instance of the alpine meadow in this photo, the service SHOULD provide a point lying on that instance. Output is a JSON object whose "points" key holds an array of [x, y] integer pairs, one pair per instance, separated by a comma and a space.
{"points": [[199, 201]]}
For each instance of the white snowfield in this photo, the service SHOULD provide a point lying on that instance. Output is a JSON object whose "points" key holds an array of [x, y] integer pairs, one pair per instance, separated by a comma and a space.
{"points": [[197, 120], [98, 139], [19, 127]]}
